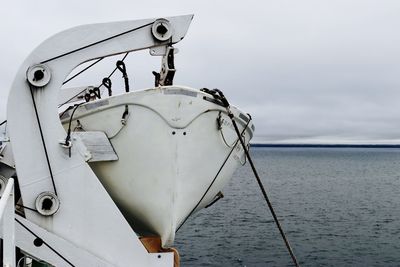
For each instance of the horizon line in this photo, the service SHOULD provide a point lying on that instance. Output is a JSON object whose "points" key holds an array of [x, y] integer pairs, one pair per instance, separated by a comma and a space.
{"points": [[322, 145]]}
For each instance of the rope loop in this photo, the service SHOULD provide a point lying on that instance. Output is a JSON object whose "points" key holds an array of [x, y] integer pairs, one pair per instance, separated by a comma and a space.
{"points": [[107, 84], [122, 68], [96, 92]]}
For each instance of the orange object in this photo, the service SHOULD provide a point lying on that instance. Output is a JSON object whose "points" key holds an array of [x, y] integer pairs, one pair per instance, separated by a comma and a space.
{"points": [[153, 245]]}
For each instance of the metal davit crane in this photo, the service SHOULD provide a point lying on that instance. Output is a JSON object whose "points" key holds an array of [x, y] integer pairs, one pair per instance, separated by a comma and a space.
{"points": [[95, 184], [72, 220]]}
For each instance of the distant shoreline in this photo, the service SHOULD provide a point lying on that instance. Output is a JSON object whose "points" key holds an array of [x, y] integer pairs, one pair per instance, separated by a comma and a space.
{"points": [[328, 145]]}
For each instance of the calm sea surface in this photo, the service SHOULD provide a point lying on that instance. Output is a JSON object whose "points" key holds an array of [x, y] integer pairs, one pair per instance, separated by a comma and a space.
{"points": [[338, 207]]}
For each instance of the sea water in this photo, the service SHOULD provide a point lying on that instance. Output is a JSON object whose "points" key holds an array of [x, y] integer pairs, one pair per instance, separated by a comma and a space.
{"points": [[338, 207]]}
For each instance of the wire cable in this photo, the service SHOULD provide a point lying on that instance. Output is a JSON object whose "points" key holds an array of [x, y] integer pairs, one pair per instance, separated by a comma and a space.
{"points": [[44, 242], [212, 182], [82, 71], [98, 42], [260, 184], [24, 207], [43, 142], [101, 84], [68, 137]]}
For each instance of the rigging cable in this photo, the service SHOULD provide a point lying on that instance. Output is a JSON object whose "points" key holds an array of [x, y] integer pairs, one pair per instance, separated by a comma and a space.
{"points": [[41, 241], [43, 142], [124, 121], [98, 42], [212, 182], [90, 45], [115, 69], [82, 71], [227, 106], [101, 84], [107, 84], [24, 207], [68, 137], [122, 68], [219, 124]]}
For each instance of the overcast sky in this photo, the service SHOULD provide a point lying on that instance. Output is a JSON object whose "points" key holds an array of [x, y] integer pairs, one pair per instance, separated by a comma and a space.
{"points": [[308, 71]]}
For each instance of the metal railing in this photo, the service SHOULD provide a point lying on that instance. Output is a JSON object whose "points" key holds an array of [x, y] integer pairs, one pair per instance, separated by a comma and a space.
{"points": [[7, 218]]}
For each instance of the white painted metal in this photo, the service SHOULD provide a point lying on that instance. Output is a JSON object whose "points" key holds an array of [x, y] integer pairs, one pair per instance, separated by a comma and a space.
{"points": [[75, 255], [166, 69], [3, 183], [38, 75], [158, 51], [7, 223], [6, 155], [162, 30], [169, 151], [51, 208], [71, 252], [87, 216], [98, 145], [73, 94]]}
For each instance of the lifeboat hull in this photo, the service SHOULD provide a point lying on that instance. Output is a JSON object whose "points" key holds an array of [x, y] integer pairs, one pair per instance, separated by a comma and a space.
{"points": [[176, 150]]}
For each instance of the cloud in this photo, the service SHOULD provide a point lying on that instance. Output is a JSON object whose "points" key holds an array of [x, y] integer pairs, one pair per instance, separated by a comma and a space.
{"points": [[305, 70]]}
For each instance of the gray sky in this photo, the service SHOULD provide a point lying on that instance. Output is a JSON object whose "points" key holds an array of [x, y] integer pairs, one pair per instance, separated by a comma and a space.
{"points": [[308, 71]]}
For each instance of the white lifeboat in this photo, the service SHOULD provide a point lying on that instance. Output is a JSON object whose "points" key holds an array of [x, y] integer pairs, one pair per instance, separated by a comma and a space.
{"points": [[174, 149]]}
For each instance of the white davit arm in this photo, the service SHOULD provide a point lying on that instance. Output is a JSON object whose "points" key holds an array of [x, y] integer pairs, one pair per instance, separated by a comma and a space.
{"points": [[78, 210]]}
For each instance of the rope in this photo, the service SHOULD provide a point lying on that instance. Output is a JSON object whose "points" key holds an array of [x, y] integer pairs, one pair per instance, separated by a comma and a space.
{"points": [[219, 123], [44, 242], [68, 137], [78, 127], [96, 43], [124, 121], [5, 121], [65, 111], [227, 105], [245, 158], [217, 197], [95, 92], [215, 178], [24, 207], [43, 142], [122, 68], [82, 71], [22, 259], [109, 76], [115, 69], [107, 84]]}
